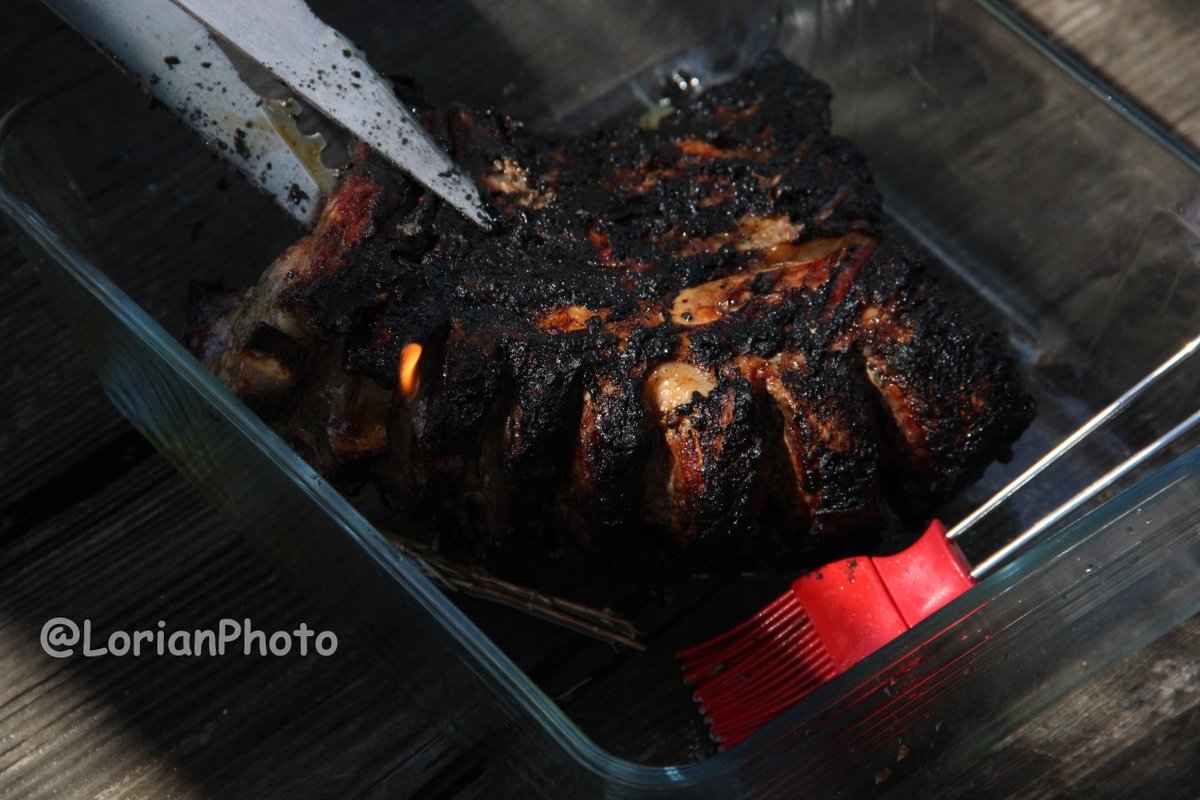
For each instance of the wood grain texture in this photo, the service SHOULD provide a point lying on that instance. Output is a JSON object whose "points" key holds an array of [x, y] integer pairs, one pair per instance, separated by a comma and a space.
{"points": [[46, 385], [84, 508], [1150, 49], [149, 549], [1131, 733]]}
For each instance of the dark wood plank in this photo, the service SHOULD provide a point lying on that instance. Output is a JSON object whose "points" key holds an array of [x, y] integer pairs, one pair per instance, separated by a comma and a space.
{"points": [[1131, 733], [231, 726], [1147, 48], [55, 413]]}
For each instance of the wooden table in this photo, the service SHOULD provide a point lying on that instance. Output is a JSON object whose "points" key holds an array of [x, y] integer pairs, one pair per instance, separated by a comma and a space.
{"points": [[86, 504]]}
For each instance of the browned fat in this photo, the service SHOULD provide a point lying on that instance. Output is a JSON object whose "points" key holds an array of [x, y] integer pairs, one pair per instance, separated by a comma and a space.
{"points": [[673, 384], [510, 178], [749, 233], [570, 318], [708, 302]]}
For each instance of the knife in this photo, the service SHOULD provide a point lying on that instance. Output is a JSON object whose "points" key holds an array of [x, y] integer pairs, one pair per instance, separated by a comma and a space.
{"points": [[179, 51]]}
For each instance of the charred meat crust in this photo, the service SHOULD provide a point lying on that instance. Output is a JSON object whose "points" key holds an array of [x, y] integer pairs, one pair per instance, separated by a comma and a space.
{"points": [[695, 329]]}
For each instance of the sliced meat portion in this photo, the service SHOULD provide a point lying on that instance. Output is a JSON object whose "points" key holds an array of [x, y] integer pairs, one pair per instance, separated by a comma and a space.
{"points": [[952, 403], [339, 419], [606, 479], [258, 349], [714, 446], [831, 437], [545, 413]]}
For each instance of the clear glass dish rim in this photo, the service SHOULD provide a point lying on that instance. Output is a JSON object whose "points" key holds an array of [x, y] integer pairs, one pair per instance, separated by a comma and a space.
{"points": [[1106, 92], [540, 708]]}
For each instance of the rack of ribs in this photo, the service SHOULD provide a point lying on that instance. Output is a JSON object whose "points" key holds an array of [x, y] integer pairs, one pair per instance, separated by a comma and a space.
{"points": [[698, 336]]}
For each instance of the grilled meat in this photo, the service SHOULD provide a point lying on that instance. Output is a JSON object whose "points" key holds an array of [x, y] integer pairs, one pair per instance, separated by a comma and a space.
{"points": [[699, 331]]}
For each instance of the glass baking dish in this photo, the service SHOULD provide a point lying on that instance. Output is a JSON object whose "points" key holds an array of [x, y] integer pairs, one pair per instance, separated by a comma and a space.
{"points": [[1059, 216]]}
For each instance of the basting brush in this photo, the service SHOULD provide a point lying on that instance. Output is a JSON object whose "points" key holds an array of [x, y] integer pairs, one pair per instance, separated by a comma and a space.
{"points": [[829, 620], [833, 617]]}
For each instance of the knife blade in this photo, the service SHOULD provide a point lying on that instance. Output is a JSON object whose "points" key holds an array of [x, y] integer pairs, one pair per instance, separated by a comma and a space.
{"points": [[175, 58], [329, 72]]}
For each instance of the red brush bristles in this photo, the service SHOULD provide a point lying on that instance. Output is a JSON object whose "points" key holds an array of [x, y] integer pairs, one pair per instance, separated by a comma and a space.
{"points": [[830, 619], [744, 677]]}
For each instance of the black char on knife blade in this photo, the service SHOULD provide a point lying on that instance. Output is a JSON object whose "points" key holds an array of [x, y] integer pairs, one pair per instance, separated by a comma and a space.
{"points": [[697, 337]]}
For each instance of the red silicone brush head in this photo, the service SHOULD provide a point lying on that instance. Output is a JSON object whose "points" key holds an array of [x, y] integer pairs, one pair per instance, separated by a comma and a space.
{"points": [[830, 619]]}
